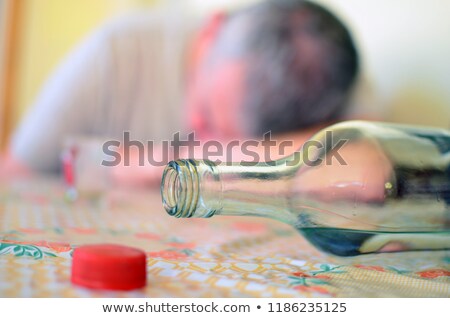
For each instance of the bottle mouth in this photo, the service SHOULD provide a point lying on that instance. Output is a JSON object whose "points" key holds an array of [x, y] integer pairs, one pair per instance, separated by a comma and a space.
{"points": [[179, 188]]}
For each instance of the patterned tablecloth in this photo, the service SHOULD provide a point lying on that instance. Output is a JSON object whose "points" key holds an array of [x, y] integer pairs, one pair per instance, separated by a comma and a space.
{"points": [[217, 257]]}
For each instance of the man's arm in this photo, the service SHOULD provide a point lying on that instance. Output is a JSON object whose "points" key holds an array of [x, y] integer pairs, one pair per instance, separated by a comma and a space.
{"points": [[11, 168], [66, 106]]}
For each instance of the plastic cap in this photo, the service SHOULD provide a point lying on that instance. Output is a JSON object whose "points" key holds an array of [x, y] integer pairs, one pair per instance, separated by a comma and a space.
{"points": [[109, 266], [68, 163]]}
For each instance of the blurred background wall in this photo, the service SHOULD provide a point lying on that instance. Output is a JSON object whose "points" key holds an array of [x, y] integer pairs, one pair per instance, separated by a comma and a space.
{"points": [[405, 46]]}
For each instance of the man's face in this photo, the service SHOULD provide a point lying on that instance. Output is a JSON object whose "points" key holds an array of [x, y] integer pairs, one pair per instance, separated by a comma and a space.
{"points": [[214, 101], [215, 89]]}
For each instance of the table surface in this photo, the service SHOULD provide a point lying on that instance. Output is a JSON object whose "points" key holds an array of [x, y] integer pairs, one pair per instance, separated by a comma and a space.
{"points": [[217, 257]]}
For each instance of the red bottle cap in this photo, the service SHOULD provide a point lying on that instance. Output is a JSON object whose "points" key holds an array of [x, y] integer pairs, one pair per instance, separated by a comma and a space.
{"points": [[109, 266]]}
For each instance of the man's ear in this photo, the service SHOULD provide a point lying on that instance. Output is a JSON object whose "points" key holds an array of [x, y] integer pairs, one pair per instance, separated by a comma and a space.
{"points": [[205, 38], [213, 24]]}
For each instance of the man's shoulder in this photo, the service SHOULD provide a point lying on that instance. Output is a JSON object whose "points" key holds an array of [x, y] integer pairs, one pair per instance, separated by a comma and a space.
{"points": [[148, 23]]}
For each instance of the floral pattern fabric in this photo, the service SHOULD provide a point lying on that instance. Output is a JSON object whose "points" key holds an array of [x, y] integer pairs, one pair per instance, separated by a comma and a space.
{"points": [[217, 257]]}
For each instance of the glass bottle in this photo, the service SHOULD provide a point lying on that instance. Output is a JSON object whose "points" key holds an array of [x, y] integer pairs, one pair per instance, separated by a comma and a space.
{"points": [[354, 188]]}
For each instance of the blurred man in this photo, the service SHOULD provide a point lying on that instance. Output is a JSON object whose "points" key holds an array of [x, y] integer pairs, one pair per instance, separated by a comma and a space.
{"points": [[285, 66], [281, 66]]}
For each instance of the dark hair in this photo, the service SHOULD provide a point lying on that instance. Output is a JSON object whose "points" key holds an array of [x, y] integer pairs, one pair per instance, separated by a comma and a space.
{"points": [[302, 63]]}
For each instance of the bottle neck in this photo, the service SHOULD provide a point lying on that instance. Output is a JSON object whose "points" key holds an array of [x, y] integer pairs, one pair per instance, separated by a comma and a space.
{"points": [[191, 188], [200, 188]]}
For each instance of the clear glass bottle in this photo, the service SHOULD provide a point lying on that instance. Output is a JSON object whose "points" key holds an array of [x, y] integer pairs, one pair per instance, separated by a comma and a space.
{"points": [[355, 188]]}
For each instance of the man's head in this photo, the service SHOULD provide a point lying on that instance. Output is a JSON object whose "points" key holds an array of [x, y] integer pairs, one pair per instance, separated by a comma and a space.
{"points": [[280, 65]]}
